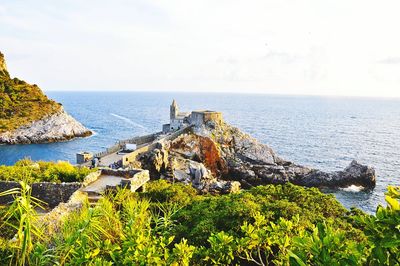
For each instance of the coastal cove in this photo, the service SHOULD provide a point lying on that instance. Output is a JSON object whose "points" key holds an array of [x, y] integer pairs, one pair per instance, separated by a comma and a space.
{"points": [[324, 133]]}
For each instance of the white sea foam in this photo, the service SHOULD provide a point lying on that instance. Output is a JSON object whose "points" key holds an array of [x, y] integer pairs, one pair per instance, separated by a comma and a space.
{"points": [[353, 188], [129, 121]]}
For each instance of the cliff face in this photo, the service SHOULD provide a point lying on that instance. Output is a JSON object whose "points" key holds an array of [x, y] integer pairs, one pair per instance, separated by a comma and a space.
{"points": [[3, 67], [28, 116], [217, 157], [59, 126]]}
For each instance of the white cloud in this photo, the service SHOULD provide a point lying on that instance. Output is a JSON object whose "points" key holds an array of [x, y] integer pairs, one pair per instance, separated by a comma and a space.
{"points": [[331, 47], [390, 60]]}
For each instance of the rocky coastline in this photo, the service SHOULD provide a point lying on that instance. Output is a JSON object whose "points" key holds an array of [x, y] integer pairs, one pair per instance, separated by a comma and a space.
{"points": [[219, 158], [56, 127]]}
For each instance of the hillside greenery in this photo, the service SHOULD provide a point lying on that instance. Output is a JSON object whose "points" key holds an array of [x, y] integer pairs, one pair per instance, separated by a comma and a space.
{"points": [[22, 103], [170, 224], [43, 172]]}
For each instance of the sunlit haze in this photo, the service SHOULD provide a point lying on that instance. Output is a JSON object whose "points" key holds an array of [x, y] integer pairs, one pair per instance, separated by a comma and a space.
{"points": [[315, 47]]}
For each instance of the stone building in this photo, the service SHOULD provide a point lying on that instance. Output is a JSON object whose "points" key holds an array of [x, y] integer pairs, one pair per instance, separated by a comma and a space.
{"points": [[199, 118], [83, 157], [179, 120]]}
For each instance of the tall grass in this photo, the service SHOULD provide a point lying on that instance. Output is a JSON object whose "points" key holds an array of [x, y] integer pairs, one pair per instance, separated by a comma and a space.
{"points": [[22, 216]]}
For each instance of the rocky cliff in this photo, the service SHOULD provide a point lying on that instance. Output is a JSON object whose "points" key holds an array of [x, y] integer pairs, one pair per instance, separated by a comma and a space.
{"points": [[221, 158], [28, 116], [59, 126], [3, 66]]}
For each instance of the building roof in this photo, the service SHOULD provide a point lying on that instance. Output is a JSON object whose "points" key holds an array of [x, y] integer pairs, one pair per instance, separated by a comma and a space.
{"points": [[205, 112], [182, 115]]}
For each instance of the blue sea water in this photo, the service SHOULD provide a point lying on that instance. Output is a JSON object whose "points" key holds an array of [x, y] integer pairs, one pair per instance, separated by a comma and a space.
{"points": [[320, 132]]}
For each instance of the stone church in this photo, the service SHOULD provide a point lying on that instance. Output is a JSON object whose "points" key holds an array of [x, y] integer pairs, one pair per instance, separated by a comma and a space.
{"points": [[179, 120]]}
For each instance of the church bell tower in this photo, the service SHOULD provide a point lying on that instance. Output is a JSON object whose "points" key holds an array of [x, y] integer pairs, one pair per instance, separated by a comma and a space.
{"points": [[173, 113]]}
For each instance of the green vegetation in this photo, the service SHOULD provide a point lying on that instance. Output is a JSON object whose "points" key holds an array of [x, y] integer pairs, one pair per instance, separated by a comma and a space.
{"points": [[22, 103], [43, 172], [170, 224]]}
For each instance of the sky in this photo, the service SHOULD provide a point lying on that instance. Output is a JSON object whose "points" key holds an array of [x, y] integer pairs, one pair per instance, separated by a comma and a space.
{"points": [[301, 47]]}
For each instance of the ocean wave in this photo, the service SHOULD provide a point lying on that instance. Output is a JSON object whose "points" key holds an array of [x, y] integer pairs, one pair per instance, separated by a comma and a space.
{"points": [[353, 188]]}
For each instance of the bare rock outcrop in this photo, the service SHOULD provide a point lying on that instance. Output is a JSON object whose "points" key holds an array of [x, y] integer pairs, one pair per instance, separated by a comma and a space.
{"points": [[221, 159], [53, 128], [3, 66], [355, 174], [253, 163]]}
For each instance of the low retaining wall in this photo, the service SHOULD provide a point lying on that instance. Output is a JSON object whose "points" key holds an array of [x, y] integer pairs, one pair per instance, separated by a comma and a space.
{"points": [[108, 151], [131, 157], [178, 133], [141, 139], [139, 180], [121, 173], [91, 178], [51, 193]]}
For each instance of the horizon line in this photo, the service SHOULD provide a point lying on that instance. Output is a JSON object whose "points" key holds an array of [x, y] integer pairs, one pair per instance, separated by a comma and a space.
{"points": [[235, 92]]}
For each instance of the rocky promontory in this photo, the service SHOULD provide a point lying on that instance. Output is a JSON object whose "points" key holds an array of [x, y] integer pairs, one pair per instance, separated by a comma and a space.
{"points": [[28, 116], [56, 127], [217, 157]]}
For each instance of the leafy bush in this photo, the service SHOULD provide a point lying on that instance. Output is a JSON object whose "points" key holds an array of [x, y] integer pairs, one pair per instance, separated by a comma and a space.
{"points": [[383, 230], [43, 172], [326, 246], [163, 191], [207, 214]]}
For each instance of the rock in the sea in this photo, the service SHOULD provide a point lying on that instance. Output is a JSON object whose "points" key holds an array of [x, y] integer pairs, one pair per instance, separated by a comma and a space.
{"points": [[355, 174], [53, 128]]}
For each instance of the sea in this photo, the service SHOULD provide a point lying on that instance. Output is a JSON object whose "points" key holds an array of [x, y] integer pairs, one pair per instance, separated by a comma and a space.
{"points": [[320, 132]]}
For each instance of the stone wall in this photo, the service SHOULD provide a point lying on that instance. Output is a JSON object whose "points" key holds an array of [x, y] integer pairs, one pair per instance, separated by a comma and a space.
{"points": [[213, 116], [131, 157], [135, 140], [141, 139], [199, 118], [166, 128], [121, 173], [140, 179], [91, 178], [51, 193], [108, 151]]}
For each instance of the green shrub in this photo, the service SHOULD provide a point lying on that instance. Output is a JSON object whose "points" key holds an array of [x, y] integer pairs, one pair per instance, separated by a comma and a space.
{"points": [[326, 246], [207, 214], [44, 172], [383, 230], [171, 225], [163, 191]]}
